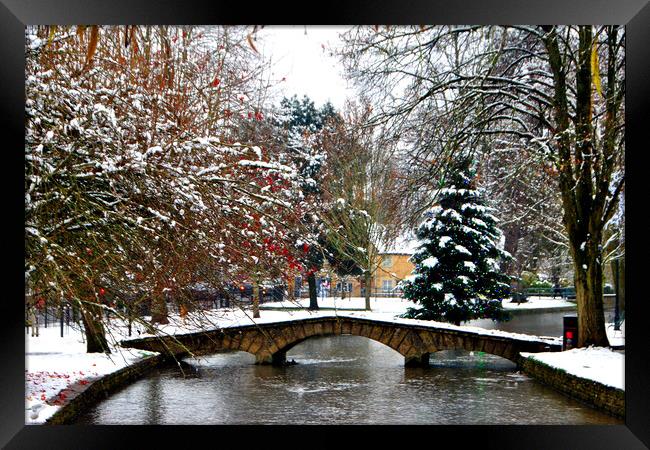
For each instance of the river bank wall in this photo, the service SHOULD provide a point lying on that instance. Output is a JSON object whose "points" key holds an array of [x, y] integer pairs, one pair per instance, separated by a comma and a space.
{"points": [[595, 394]]}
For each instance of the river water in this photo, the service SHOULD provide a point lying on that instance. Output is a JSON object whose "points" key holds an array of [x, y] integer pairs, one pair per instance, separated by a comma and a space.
{"points": [[350, 380]]}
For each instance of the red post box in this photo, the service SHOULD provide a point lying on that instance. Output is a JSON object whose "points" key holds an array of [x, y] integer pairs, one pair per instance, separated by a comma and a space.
{"points": [[570, 334]]}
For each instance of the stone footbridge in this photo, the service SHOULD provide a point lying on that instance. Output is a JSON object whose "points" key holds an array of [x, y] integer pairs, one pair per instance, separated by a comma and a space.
{"points": [[269, 342]]}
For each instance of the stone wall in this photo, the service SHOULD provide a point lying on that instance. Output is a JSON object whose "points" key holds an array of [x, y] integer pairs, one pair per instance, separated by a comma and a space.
{"points": [[597, 395], [269, 342], [102, 388]]}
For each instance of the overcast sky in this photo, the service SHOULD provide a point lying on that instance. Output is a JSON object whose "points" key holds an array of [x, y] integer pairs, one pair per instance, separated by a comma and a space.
{"points": [[301, 55]]}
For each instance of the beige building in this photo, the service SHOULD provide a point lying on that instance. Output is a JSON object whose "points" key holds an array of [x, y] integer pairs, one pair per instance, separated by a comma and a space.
{"points": [[393, 267]]}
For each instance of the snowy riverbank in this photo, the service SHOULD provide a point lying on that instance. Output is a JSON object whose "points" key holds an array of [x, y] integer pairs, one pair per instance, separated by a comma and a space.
{"points": [[539, 303], [58, 368], [599, 364]]}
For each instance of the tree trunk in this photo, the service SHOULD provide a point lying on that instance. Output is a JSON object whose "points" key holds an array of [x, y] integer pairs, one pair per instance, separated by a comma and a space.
{"points": [[291, 288], [512, 234], [582, 202], [256, 300], [367, 279], [619, 283], [96, 342], [588, 281], [313, 295]]}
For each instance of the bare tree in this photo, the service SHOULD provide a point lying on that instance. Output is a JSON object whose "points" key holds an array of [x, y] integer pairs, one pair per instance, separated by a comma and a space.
{"points": [[525, 87], [138, 183], [362, 189]]}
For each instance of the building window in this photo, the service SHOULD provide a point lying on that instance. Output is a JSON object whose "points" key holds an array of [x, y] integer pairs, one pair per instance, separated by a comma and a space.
{"points": [[387, 285], [387, 261]]}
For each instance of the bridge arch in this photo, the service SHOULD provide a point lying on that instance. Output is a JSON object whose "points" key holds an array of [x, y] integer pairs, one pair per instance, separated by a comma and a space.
{"points": [[270, 345], [270, 342], [289, 337]]}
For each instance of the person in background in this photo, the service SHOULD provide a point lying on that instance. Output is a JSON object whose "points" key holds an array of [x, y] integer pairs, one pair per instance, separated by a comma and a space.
{"points": [[32, 319], [556, 288], [183, 312], [325, 287]]}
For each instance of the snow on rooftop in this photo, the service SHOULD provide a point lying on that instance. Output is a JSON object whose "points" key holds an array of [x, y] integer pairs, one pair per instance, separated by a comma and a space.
{"points": [[405, 244]]}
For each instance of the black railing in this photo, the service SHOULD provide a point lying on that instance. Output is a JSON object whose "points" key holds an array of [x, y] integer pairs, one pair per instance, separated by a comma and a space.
{"points": [[565, 292], [336, 293], [50, 316]]}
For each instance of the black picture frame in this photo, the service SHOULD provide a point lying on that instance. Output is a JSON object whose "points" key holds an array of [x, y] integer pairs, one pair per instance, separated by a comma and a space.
{"points": [[15, 14]]}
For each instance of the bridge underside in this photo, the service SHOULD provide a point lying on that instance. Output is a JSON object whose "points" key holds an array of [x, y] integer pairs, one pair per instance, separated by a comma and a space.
{"points": [[269, 343], [279, 358]]}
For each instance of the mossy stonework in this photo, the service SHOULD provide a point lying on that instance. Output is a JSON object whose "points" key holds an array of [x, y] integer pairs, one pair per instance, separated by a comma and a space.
{"points": [[100, 389], [270, 342], [597, 395]]}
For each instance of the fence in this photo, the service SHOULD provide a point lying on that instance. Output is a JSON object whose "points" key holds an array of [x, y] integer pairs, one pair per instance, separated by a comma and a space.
{"points": [[383, 293], [567, 292], [63, 316]]}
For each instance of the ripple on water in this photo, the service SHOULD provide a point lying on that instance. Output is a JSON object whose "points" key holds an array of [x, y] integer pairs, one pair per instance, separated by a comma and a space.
{"points": [[302, 359], [321, 387], [343, 380]]}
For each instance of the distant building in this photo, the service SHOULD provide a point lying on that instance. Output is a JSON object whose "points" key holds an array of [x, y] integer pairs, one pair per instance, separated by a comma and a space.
{"points": [[394, 266]]}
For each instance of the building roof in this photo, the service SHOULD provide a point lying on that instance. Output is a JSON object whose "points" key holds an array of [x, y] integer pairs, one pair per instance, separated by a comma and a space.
{"points": [[405, 244]]}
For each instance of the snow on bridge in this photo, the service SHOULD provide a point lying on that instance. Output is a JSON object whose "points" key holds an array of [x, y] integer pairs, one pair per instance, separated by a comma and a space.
{"points": [[269, 338]]}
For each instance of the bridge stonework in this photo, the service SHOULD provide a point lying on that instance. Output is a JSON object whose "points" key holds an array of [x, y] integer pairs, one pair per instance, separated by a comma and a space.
{"points": [[270, 342]]}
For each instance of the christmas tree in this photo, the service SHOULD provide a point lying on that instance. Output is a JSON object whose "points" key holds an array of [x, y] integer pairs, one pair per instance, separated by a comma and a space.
{"points": [[457, 274]]}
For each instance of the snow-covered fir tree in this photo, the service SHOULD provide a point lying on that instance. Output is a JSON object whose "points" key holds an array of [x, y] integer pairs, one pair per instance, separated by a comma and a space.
{"points": [[457, 275]]}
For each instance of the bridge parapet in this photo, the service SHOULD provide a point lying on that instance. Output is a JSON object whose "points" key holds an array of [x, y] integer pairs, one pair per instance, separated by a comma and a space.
{"points": [[269, 342]]}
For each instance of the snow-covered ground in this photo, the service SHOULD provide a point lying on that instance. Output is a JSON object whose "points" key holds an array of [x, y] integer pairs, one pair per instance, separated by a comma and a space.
{"points": [[593, 363], [58, 368], [538, 303], [399, 305]]}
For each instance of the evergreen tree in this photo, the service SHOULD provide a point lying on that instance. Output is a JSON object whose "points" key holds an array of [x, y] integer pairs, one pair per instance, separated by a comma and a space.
{"points": [[457, 276]]}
